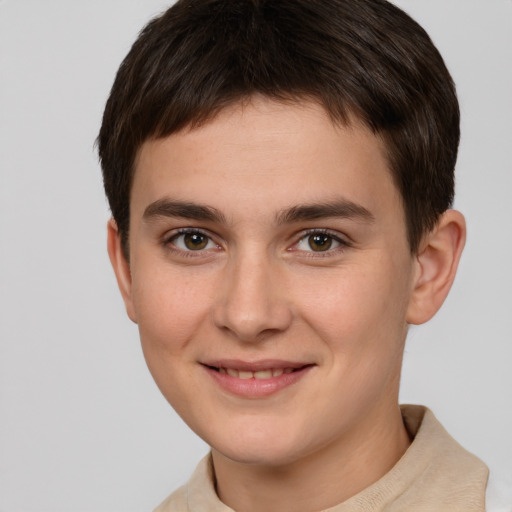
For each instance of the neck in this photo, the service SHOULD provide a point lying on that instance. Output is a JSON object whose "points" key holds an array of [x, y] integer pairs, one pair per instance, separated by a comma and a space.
{"points": [[320, 480]]}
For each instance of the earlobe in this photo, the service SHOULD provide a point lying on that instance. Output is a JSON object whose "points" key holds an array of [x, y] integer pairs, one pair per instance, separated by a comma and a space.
{"points": [[121, 267], [437, 262]]}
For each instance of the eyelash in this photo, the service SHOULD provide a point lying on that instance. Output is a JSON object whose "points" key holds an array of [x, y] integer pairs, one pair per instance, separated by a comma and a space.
{"points": [[343, 243], [169, 243]]}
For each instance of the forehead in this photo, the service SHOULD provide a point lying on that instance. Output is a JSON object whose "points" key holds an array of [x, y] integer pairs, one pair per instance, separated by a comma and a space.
{"points": [[263, 153]]}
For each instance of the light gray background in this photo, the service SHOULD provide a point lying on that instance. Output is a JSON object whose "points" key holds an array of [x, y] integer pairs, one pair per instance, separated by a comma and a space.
{"points": [[82, 426]]}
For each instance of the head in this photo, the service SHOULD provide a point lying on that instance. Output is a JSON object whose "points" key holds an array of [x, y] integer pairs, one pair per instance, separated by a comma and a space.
{"points": [[358, 59], [279, 175]]}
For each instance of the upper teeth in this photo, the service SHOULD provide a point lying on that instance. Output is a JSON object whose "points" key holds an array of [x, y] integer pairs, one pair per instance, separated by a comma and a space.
{"points": [[260, 374]]}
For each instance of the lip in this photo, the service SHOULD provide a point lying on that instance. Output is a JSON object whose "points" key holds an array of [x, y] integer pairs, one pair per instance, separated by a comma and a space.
{"points": [[254, 366], [254, 387]]}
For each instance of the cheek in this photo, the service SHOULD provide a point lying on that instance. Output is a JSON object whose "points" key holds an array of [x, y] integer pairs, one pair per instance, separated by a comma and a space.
{"points": [[358, 309], [170, 309], [170, 312]]}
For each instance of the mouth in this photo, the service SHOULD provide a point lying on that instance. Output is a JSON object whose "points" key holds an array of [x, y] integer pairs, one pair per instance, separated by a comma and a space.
{"points": [[256, 374], [256, 379]]}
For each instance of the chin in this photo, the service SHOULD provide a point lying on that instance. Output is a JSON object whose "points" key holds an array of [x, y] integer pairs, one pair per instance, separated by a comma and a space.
{"points": [[259, 448], [258, 457]]}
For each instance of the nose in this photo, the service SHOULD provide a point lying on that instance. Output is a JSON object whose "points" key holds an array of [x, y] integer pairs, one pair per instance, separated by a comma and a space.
{"points": [[251, 303]]}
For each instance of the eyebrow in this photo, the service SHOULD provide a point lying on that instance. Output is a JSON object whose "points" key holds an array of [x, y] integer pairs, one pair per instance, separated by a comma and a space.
{"points": [[186, 210], [183, 210], [339, 208]]}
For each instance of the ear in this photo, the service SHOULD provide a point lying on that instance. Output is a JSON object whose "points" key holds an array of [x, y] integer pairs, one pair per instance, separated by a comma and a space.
{"points": [[121, 267], [436, 265]]}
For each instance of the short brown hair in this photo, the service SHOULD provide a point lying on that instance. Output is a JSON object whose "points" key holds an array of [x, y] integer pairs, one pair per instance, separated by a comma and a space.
{"points": [[362, 57]]}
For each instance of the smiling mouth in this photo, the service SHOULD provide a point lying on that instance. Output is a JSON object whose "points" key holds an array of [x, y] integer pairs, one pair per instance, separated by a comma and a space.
{"points": [[256, 374], [256, 380]]}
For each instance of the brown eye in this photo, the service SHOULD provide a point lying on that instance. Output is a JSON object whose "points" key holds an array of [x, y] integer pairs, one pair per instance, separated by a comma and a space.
{"points": [[195, 241], [192, 241], [320, 242]]}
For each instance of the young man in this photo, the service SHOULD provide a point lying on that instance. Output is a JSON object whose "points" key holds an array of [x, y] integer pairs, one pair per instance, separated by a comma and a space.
{"points": [[280, 175]]}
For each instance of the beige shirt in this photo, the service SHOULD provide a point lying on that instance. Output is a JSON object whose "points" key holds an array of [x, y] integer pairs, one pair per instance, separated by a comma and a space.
{"points": [[434, 475]]}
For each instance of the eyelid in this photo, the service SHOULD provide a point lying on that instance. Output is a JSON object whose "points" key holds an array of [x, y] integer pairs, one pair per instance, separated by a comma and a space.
{"points": [[170, 236], [335, 235]]}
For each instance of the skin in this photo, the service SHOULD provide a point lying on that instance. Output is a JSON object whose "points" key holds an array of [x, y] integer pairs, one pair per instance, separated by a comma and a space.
{"points": [[259, 290]]}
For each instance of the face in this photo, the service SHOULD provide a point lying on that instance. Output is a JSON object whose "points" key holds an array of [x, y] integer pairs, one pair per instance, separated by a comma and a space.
{"points": [[270, 277]]}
